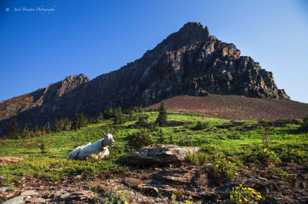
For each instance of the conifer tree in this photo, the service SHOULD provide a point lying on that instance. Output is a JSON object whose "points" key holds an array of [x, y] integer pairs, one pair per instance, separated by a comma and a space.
{"points": [[162, 115]]}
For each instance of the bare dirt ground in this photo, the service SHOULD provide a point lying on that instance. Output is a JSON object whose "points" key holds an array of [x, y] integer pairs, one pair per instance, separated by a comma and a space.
{"points": [[237, 107]]}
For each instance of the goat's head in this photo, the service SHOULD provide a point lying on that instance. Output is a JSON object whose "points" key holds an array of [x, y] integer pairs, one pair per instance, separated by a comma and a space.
{"points": [[108, 139]]}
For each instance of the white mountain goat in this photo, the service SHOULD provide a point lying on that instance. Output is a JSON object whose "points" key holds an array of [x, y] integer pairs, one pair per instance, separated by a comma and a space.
{"points": [[98, 150]]}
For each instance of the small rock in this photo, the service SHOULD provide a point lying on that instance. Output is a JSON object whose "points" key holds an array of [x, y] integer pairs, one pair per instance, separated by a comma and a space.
{"points": [[15, 200], [133, 182], [29, 193], [65, 196], [149, 190], [4, 189], [36, 200]]}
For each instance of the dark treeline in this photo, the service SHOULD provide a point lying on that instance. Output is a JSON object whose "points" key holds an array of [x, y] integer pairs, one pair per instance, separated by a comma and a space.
{"points": [[79, 120]]}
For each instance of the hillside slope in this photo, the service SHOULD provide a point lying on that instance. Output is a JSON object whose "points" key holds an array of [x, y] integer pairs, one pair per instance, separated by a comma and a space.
{"points": [[237, 107]]}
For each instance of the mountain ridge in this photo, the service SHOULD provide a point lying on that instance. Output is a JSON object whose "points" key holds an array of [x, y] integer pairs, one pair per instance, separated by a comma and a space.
{"points": [[188, 62], [12, 106]]}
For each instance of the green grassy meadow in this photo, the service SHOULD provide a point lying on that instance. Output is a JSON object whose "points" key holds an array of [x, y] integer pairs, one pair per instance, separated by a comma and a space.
{"points": [[289, 145]]}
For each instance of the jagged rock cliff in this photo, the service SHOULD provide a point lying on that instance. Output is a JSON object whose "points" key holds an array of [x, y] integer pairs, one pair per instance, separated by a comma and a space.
{"points": [[40, 97], [188, 62]]}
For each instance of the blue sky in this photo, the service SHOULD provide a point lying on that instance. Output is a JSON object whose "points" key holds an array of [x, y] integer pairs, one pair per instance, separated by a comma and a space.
{"points": [[97, 36]]}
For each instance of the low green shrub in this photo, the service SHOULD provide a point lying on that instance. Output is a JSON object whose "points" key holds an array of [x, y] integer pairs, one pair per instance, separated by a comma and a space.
{"points": [[198, 158], [245, 195], [185, 140], [140, 139], [143, 122], [276, 171], [85, 170], [160, 137], [293, 154], [117, 197], [304, 126], [211, 149], [262, 155], [234, 136], [221, 169], [200, 126]]}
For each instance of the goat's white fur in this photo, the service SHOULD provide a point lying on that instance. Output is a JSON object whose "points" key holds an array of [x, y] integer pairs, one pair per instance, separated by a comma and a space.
{"points": [[101, 155], [100, 146]]}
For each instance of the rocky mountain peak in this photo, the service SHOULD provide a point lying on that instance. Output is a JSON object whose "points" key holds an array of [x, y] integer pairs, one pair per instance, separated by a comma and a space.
{"points": [[189, 34], [188, 62], [195, 29], [80, 77], [69, 83]]}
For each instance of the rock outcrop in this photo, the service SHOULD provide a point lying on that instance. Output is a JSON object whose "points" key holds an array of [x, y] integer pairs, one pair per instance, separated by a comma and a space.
{"points": [[188, 62], [159, 155]]}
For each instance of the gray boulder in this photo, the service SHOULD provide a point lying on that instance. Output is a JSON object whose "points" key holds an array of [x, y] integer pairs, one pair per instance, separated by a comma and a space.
{"points": [[159, 155]]}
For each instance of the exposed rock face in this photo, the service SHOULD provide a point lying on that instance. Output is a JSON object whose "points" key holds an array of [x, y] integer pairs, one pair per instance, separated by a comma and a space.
{"points": [[41, 97], [188, 62]]}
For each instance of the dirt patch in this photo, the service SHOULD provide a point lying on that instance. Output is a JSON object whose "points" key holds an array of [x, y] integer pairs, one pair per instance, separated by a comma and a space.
{"points": [[9, 160]]}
